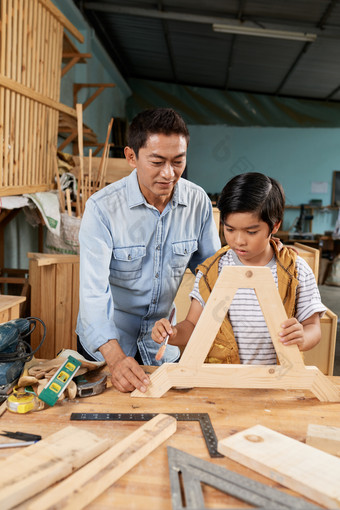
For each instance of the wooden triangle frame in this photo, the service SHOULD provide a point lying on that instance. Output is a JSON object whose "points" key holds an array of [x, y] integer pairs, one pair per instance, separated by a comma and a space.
{"points": [[191, 371]]}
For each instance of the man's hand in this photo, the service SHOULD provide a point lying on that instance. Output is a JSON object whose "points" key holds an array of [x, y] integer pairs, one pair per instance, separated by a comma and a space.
{"points": [[161, 329], [126, 374]]}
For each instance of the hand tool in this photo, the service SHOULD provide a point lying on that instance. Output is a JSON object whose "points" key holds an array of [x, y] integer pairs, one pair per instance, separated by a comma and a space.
{"points": [[22, 401], [188, 474], [59, 382], [162, 348], [203, 419], [87, 387], [25, 439]]}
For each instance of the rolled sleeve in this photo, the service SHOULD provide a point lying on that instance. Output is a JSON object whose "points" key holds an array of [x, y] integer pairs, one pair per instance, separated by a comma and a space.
{"points": [[96, 308]]}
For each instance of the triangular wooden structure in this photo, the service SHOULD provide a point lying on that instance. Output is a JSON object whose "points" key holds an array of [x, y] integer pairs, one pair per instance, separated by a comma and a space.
{"points": [[191, 371]]}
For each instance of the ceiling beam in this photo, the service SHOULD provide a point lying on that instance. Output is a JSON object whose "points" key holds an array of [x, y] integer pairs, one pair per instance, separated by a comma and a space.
{"points": [[332, 31], [320, 25], [168, 42]]}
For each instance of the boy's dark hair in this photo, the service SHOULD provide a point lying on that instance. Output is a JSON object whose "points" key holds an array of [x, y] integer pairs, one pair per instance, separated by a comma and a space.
{"points": [[254, 193], [155, 121]]}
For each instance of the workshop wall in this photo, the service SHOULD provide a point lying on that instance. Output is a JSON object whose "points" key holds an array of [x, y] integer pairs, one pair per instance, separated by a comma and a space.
{"points": [[303, 160]]}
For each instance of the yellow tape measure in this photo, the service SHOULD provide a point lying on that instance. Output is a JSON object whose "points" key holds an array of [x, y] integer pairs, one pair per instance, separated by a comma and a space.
{"points": [[22, 402]]}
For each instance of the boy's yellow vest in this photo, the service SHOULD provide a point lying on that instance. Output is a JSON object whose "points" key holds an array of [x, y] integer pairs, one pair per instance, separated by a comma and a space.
{"points": [[224, 349]]}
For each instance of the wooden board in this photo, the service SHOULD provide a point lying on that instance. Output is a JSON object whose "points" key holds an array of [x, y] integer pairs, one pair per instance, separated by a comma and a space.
{"points": [[10, 307], [325, 438], [36, 467], [116, 169], [305, 469], [78, 490]]}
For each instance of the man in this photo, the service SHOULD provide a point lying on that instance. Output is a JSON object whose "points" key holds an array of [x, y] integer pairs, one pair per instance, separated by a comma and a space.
{"points": [[137, 237]]}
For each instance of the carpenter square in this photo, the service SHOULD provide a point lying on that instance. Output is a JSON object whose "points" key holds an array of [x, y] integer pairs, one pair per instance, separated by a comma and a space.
{"points": [[203, 419], [195, 471]]}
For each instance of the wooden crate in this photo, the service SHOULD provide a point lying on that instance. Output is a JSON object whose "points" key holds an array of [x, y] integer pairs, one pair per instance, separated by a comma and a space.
{"points": [[10, 307], [54, 281], [31, 44]]}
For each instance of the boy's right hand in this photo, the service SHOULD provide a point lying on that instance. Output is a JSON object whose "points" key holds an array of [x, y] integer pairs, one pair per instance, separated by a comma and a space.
{"points": [[161, 329]]}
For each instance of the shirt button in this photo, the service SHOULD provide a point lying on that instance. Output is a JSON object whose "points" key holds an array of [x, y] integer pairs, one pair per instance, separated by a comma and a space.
{"points": [[156, 275], [129, 257], [154, 302], [185, 251], [158, 247]]}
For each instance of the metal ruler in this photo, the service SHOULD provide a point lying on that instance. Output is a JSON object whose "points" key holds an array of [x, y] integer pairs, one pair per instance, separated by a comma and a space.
{"points": [[203, 419], [188, 473]]}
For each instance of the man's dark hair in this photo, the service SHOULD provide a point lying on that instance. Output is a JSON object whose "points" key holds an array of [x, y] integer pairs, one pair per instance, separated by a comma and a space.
{"points": [[253, 193], [154, 121]]}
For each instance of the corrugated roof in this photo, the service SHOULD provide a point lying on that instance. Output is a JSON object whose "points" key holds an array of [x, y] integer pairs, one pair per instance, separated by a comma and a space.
{"points": [[174, 41]]}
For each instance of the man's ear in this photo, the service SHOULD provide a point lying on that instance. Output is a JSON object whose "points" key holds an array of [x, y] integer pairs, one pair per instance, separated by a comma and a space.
{"points": [[276, 227], [130, 157]]}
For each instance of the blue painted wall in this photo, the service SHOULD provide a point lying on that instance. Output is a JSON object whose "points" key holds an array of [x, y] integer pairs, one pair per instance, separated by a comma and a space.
{"points": [[295, 157]]}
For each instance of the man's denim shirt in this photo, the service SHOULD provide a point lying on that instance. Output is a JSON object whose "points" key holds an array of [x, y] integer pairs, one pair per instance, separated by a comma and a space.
{"points": [[132, 260]]}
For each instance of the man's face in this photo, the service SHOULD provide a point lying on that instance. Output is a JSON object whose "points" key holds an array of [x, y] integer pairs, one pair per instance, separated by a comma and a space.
{"points": [[160, 165]]}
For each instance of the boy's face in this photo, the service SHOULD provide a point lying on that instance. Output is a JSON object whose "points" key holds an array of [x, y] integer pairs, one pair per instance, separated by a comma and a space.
{"points": [[160, 165], [249, 237]]}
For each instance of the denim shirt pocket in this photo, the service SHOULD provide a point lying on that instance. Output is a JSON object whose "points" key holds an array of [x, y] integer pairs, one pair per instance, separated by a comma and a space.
{"points": [[181, 253], [126, 262]]}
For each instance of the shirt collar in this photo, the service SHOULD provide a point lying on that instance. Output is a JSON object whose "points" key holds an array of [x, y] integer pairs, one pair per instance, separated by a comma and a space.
{"points": [[135, 197]]}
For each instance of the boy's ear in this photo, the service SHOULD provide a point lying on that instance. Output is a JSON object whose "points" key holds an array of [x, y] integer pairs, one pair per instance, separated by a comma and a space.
{"points": [[276, 227], [130, 157]]}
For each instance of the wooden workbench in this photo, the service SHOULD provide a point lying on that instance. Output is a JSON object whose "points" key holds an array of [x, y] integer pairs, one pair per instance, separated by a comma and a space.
{"points": [[147, 486]]}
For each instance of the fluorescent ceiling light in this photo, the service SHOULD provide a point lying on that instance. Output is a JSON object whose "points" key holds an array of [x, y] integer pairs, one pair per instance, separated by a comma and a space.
{"points": [[264, 32]]}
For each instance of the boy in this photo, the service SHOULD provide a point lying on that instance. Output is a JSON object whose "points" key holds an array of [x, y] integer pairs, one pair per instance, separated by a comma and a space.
{"points": [[252, 207]]}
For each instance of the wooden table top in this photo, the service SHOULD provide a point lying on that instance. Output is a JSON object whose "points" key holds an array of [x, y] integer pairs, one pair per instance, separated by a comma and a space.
{"points": [[7, 301], [147, 485]]}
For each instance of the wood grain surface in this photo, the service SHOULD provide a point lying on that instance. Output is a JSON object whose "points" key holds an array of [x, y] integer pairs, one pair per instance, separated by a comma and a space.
{"points": [[147, 485]]}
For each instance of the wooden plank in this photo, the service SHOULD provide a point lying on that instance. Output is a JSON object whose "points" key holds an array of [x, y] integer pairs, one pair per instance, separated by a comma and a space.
{"points": [[324, 437], [88, 483], [36, 467], [62, 19], [47, 310], [45, 259], [311, 255], [37, 96], [63, 307], [322, 355], [116, 169], [74, 304], [306, 470], [8, 302]]}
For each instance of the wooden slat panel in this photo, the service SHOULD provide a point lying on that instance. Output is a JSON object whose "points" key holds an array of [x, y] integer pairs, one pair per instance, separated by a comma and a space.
{"points": [[63, 306], [30, 72], [75, 304]]}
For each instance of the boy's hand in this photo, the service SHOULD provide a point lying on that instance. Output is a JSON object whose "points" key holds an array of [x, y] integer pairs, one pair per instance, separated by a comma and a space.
{"points": [[292, 333], [161, 329]]}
